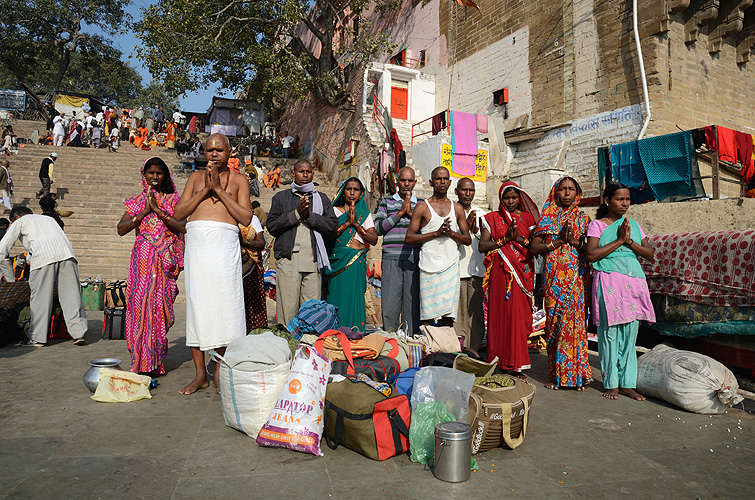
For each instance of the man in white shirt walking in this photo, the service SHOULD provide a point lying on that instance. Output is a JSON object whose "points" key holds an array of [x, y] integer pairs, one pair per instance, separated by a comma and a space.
{"points": [[286, 142], [59, 129], [52, 260], [470, 321]]}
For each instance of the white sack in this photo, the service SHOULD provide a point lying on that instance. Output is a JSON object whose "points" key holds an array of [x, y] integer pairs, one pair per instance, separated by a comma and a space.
{"points": [[689, 380]]}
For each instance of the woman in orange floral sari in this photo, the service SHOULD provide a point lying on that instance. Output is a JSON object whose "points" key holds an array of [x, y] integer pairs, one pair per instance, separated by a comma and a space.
{"points": [[560, 236]]}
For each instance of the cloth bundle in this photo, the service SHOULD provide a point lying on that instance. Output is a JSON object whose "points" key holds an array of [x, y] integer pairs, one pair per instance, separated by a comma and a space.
{"points": [[368, 347]]}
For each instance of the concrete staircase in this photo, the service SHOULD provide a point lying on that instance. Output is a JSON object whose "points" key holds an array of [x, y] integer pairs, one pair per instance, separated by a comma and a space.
{"points": [[93, 184]]}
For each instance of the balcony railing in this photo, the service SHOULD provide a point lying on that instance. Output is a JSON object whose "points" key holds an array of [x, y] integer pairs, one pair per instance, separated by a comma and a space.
{"points": [[429, 131]]}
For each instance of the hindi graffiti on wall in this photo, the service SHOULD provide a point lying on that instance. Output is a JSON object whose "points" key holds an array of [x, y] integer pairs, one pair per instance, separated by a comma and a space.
{"points": [[460, 165]]}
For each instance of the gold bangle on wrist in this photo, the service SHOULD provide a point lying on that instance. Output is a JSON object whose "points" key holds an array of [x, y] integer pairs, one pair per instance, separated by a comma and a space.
{"points": [[133, 219]]}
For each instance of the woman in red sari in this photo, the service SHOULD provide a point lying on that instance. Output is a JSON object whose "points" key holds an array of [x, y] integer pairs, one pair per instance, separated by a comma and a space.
{"points": [[509, 277]]}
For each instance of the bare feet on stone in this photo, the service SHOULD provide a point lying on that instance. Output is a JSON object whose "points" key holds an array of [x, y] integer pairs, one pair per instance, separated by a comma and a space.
{"points": [[632, 394], [552, 386], [194, 386], [583, 388], [611, 394]]}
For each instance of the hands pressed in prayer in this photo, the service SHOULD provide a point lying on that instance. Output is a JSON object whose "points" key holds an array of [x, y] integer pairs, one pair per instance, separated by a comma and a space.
{"points": [[472, 221], [406, 208], [352, 220], [513, 232], [211, 174], [445, 228], [303, 207], [624, 233]]}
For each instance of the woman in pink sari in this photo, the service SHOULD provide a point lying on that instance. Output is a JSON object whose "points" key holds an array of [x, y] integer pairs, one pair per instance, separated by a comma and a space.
{"points": [[509, 277], [156, 260]]}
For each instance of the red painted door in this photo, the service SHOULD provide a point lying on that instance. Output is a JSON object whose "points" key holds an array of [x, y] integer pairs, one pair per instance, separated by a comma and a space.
{"points": [[399, 103]]}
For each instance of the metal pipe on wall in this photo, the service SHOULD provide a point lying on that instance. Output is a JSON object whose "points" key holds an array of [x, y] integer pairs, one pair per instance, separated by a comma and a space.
{"points": [[642, 70]]}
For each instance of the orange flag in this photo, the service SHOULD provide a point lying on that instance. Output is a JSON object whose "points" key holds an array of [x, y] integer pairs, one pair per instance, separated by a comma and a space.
{"points": [[468, 3]]}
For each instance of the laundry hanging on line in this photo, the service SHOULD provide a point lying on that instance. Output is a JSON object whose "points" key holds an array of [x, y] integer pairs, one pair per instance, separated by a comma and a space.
{"points": [[627, 169], [438, 122], [669, 161], [463, 133]]}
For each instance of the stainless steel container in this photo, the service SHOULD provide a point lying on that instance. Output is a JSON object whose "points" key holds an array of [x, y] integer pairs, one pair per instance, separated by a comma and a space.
{"points": [[453, 452], [92, 376]]}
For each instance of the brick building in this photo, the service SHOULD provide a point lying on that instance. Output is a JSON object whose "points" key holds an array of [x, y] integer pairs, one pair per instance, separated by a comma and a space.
{"points": [[572, 74]]}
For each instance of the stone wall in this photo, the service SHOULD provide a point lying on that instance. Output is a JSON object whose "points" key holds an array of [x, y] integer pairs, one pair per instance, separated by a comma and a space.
{"points": [[581, 63], [468, 84], [690, 87], [713, 215]]}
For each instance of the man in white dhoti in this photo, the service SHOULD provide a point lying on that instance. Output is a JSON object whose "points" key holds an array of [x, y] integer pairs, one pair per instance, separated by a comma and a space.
{"points": [[439, 225], [215, 201]]}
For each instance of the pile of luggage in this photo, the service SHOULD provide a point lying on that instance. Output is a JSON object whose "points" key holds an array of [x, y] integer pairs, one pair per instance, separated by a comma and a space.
{"points": [[380, 394]]}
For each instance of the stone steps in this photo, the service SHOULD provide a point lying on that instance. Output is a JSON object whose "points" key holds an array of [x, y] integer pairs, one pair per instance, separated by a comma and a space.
{"points": [[93, 184]]}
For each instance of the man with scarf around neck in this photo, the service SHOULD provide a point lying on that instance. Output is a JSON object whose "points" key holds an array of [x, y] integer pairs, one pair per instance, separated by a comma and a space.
{"points": [[300, 219], [400, 280], [215, 202], [470, 321], [439, 225]]}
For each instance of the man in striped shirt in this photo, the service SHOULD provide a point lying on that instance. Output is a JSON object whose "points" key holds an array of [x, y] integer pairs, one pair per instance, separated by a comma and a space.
{"points": [[400, 281], [51, 259]]}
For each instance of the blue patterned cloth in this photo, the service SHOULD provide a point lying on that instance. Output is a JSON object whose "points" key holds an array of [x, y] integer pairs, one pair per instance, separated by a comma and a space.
{"points": [[668, 161], [626, 168]]}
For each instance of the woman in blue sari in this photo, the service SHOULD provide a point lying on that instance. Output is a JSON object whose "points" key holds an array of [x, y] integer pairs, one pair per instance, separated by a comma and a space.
{"points": [[344, 284]]}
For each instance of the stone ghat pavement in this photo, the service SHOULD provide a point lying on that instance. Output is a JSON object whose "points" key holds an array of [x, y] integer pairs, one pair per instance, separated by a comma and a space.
{"points": [[58, 443]]}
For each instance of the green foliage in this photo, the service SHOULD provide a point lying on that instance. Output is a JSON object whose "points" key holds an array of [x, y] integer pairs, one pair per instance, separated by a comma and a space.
{"points": [[52, 49], [40, 35], [270, 48]]}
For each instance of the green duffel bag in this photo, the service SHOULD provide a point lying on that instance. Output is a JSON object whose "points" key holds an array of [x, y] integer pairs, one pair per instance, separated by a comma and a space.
{"points": [[365, 420]]}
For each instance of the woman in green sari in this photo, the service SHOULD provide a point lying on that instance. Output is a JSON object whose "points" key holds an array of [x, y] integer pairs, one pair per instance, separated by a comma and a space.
{"points": [[344, 284]]}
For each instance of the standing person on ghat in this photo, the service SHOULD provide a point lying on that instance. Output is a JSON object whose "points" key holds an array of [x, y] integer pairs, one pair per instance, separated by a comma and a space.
{"points": [[215, 201], [400, 281], [561, 236], [620, 294], [439, 225], [53, 262], [470, 321], [510, 278], [45, 174], [300, 219]]}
